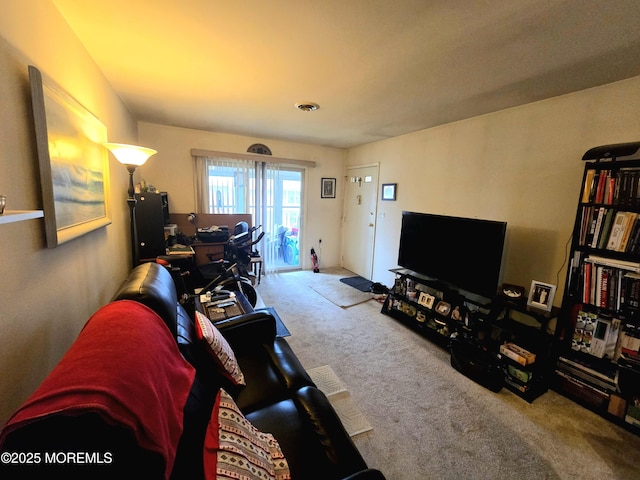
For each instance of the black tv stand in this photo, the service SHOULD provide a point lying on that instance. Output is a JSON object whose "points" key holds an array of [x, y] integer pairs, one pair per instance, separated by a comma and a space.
{"points": [[414, 300], [474, 328]]}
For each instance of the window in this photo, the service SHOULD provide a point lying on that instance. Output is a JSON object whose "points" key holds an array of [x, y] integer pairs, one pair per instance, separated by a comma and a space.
{"points": [[272, 193]]}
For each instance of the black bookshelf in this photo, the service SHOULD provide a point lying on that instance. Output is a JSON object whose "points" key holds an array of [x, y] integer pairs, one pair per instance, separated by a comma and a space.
{"points": [[597, 363]]}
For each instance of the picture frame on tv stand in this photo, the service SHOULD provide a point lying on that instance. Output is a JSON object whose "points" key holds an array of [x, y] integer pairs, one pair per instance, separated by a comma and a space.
{"points": [[541, 296], [426, 300]]}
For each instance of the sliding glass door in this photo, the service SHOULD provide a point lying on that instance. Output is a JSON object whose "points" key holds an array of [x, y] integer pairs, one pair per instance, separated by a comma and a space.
{"points": [[271, 193], [282, 216]]}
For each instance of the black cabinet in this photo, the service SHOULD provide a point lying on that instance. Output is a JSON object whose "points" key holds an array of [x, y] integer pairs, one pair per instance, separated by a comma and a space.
{"points": [[520, 327], [150, 221], [431, 309], [598, 361], [487, 341]]}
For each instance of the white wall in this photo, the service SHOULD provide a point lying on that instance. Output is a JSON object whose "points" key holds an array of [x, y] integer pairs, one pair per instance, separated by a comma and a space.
{"points": [[521, 165], [47, 295], [171, 170]]}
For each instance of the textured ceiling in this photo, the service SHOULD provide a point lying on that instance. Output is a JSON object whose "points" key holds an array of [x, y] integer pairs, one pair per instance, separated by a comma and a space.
{"points": [[377, 68]]}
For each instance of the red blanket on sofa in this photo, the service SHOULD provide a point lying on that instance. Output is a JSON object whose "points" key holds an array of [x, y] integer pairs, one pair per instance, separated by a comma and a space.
{"points": [[125, 365]]}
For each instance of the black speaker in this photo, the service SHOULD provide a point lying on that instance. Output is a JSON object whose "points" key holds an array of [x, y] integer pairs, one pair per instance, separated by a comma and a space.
{"points": [[611, 151], [474, 362], [150, 225]]}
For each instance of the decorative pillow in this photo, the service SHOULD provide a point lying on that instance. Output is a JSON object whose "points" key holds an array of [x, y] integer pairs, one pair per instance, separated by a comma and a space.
{"points": [[219, 349], [234, 448]]}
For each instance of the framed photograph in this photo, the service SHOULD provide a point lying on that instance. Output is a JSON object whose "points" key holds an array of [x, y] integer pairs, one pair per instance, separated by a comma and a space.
{"points": [[541, 295], [443, 308], [389, 191], [328, 188], [426, 300], [457, 313], [74, 165]]}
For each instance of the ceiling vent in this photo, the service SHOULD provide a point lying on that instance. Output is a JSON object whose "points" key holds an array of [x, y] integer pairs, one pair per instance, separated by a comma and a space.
{"points": [[307, 106]]}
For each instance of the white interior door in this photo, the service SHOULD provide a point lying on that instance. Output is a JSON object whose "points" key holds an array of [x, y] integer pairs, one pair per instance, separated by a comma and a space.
{"points": [[359, 220]]}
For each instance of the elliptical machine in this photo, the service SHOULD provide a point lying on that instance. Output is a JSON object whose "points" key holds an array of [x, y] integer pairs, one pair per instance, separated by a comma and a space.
{"points": [[230, 273]]}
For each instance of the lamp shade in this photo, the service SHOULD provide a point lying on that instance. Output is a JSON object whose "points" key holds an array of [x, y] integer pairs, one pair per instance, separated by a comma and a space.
{"points": [[130, 154]]}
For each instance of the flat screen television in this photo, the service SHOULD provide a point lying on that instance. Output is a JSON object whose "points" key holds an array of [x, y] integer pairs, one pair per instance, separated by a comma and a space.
{"points": [[463, 252]]}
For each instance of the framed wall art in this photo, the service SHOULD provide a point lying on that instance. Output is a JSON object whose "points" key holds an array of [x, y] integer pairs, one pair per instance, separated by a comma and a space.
{"points": [[74, 165], [389, 191], [328, 188]]}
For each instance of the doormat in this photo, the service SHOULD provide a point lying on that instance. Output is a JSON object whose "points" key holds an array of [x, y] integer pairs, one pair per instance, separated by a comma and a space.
{"points": [[358, 282], [328, 382], [281, 329]]}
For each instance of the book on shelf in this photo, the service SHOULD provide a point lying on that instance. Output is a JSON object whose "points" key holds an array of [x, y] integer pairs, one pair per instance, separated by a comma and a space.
{"points": [[521, 375], [602, 179], [517, 353], [588, 185], [585, 223], [598, 226], [605, 380], [630, 343], [605, 191], [627, 192], [598, 335], [599, 392], [630, 222], [631, 361], [607, 187], [610, 194], [604, 228], [575, 274], [633, 412], [634, 239], [178, 249], [615, 263], [582, 332], [609, 284], [630, 291], [617, 231], [586, 282], [514, 383], [606, 337]]}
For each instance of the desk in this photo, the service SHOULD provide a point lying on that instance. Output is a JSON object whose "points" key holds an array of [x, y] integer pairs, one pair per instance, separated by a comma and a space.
{"points": [[203, 250]]}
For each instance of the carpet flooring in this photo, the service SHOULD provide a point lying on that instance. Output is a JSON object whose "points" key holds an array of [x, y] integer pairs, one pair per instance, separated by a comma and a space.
{"points": [[429, 421]]}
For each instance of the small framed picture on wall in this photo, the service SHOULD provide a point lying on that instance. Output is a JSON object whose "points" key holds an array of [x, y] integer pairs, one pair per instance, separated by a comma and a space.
{"points": [[328, 188], [389, 191]]}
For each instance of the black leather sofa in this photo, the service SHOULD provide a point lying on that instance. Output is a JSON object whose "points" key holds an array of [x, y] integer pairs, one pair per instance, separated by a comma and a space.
{"points": [[279, 398]]}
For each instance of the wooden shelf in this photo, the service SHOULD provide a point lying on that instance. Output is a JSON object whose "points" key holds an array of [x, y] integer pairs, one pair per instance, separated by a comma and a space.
{"points": [[10, 216]]}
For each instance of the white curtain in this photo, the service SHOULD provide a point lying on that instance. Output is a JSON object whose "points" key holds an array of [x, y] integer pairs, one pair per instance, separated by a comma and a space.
{"points": [[268, 215], [224, 185]]}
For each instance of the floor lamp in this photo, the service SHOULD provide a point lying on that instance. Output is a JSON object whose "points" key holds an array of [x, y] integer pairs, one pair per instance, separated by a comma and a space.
{"points": [[131, 157]]}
